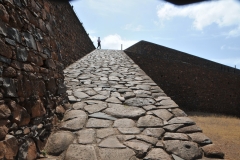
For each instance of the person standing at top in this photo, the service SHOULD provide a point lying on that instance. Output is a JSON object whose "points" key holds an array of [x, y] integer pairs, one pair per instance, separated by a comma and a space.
{"points": [[99, 43]]}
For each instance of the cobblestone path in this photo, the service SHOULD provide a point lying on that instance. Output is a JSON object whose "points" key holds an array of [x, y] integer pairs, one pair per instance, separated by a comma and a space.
{"points": [[119, 113]]}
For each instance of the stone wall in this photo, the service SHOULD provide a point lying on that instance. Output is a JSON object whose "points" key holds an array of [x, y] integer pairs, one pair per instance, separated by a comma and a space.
{"points": [[194, 83], [38, 39]]}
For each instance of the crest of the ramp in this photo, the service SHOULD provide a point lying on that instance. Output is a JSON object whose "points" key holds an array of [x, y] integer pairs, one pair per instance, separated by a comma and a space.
{"points": [[117, 112]]}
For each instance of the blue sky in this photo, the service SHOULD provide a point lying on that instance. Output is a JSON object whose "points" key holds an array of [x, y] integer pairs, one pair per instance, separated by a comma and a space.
{"points": [[210, 30]]}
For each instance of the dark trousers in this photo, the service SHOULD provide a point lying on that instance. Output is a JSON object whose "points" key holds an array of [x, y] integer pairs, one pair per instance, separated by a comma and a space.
{"points": [[99, 45]]}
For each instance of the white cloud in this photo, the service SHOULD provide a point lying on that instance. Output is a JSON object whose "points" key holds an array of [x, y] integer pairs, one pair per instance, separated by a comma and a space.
{"points": [[113, 41], [223, 13], [230, 47], [131, 27]]}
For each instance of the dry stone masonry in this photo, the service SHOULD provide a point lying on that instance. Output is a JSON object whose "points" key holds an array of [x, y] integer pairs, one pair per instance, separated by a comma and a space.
{"points": [[117, 112], [38, 39]]}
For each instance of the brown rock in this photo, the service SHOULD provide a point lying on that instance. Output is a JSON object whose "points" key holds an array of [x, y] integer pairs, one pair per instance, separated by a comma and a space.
{"points": [[8, 147], [105, 132], [3, 132], [111, 142], [98, 123], [28, 150], [86, 136], [5, 112], [38, 109], [9, 72], [60, 109], [163, 114], [4, 14], [28, 68], [124, 123], [175, 136], [20, 114], [212, 151]]}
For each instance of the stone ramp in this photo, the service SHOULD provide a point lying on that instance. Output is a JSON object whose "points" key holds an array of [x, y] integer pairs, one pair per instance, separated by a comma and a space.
{"points": [[119, 113]]}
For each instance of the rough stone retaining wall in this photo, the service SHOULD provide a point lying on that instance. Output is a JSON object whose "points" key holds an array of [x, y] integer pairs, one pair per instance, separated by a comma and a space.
{"points": [[38, 39], [192, 82]]}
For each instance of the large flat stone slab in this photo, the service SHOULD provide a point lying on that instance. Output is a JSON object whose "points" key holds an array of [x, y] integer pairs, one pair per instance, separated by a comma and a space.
{"points": [[74, 124], [86, 136], [74, 114], [111, 142], [157, 154], [98, 123], [138, 102], [116, 154], [124, 123], [122, 111], [149, 121], [83, 152]]}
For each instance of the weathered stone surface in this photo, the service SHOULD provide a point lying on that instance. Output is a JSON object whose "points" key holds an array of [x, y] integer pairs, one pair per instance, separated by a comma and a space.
{"points": [[3, 132], [163, 114], [149, 107], [8, 147], [175, 136], [139, 147], [133, 130], [154, 132], [4, 14], [86, 136], [74, 124], [102, 115], [178, 112], [105, 132], [94, 108], [213, 151], [22, 54], [118, 154], [28, 150], [5, 112], [138, 102], [9, 72], [157, 154], [80, 95], [124, 138], [79, 105], [172, 127], [149, 121], [200, 138], [190, 129], [58, 142], [74, 114], [20, 114], [83, 152], [179, 120], [167, 103], [184, 149], [147, 139], [9, 87], [60, 109], [111, 142], [98, 123], [38, 109], [160, 98], [122, 111], [144, 87], [98, 97], [124, 123], [30, 42], [113, 100]]}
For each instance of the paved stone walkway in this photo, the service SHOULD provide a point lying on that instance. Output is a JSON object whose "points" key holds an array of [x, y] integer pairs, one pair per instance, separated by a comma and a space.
{"points": [[119, 113]]}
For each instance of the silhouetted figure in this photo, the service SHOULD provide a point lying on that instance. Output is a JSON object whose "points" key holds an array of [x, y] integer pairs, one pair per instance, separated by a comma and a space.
{"points": [[99, 43]]}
